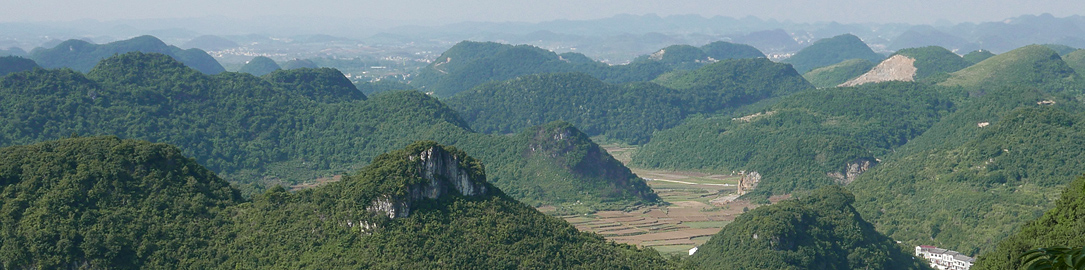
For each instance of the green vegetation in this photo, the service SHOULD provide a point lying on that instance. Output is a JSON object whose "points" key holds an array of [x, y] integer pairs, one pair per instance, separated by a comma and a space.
{"points": [[1059, 48], [370, 88], [721, 50], [12, 64], [796, 143], [830, 51], [630, 112], [259, 66], [968, 196], [933, 60], [977, 56], [290, 126], [1030, 65], [108, 203], [82, 56], [1059, 226], [818, 231], [299, 63], [833, 75], [1076, 60], [469, 64]]}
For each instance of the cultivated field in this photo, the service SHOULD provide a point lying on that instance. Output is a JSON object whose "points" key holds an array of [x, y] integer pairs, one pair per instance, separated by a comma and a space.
{"points": [[700, 204]]}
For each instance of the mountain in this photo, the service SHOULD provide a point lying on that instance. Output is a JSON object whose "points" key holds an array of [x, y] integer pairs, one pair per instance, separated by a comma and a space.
{"points": [[1029, 65], [12, 64], [895, 68], [977, 56], [818, 231], [210, 43], [923, 36], [805, 140], [468, 64], [1075, 60], [830, 51], [370, 88], [259, 66], [1060, 49], [629, 112], [288, 127], [82, 56], [721, 50], [1059, 226], [104, 202], [686, 57], [934, 61], [13, 51], [836, 74], [299, 63], [776, 40]]}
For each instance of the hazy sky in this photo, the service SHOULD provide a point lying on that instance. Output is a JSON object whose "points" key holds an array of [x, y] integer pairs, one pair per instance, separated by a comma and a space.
{"points": [[447, 11]]}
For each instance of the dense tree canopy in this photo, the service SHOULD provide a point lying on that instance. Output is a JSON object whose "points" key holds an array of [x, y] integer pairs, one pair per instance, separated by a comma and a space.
{"points": [[830, 51]]}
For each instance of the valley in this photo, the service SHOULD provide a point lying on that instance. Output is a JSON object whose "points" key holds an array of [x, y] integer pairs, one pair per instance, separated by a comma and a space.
{"points": [[698, 205]]}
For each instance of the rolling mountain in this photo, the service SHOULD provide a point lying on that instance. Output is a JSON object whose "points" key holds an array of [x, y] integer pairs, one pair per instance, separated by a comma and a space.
{"points": [[818, 231], [12, 64], [977, 56], [105, 202], [259, 66], [934, 61], [291, 126], [1031, 65], [469, 64], [82, 56], [1075, 60], [830, 51], [686, 57], [630, 112]]}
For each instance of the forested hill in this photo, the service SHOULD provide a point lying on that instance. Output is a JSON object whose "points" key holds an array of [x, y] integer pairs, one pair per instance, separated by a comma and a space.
{"points": [[830, 51], [289, 126], [259, 66], [1030, 65], [686, 57], [934, 60], [819, 231], [836, 74], [805, 140], [1059, 226], [468, 64], [12, 64], [82, 56], [104, 202], [629, 112]]}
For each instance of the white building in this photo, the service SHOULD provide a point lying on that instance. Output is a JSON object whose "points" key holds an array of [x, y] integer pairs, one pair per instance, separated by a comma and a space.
{"points": [[943, 259]]}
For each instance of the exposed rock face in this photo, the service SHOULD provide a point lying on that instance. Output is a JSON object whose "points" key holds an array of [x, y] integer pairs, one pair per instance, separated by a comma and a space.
{"points": [[748, 182], [896, 68], [444, 174], [852, 170]]}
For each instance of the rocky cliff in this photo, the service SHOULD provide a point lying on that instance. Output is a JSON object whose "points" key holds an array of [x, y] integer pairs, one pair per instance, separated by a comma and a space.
{"points": [[441, 172]]}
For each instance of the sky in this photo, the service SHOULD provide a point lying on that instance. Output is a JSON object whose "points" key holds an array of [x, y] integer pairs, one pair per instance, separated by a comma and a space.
{"points": [[450, 11]]}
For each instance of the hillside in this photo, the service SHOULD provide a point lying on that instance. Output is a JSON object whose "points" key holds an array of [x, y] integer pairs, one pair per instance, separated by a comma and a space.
{"points": [[722, 50], [82, 56], [259, 66], [818, 231], [897, 68], [468, 64], [830, 51], [797, 144], [1059, 226], [686, 57], [630, 112], [1075, 60], [289, 127], [934, 61], [977, 56], [836, 74], [104, 202], [1029, 65], [12, 64], [986, 184]]}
